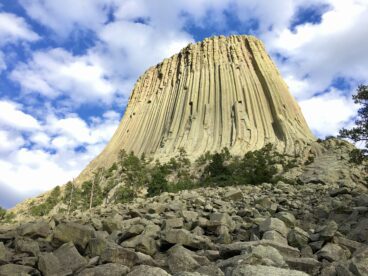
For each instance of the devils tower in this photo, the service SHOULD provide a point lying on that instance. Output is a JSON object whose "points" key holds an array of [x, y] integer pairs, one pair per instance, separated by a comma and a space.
{"points": [[221, 92]]}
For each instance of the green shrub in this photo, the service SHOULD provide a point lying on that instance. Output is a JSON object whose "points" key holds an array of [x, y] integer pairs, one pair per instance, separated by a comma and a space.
{"points": [[124, 195], [182, 184], [258, 166], [216, 167], [203, 159], [6, 216], [158, 183], [357, 156], [44, 209], [2, 213]]}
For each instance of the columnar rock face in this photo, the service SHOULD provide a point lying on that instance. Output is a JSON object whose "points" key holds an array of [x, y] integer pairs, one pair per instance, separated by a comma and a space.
{"points": [[222, 92]]}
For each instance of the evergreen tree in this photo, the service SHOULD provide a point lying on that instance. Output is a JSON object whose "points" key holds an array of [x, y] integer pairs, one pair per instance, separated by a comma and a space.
{"points": [[359, 133], [158, 183], [2, 213]]}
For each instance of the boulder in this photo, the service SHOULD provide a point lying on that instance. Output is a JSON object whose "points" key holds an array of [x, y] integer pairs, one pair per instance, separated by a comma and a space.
{"points": [[180, 259], [49, 265], [35, 229], [79, 234], [210, 270], [257, 255], [328, 231], [132, 231], [233, 194], [105, 269], [173, 223], [332, 253], [340, 191], [221, 219], [287, 218], [359, 261], [26, 245], [15, 269], [349, 244], [96, 246], [308, 265], [236, 248], [261, 270], [145, 270], [189, 216], [141, 243], [297, 237], [360, 231], [4, 254], [69, 257], [275, 224], [274, 236], [184, 237], [119, 255]]}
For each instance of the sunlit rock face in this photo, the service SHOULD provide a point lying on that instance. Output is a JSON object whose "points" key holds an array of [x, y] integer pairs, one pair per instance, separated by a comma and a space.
{"points": [[221, 92]]}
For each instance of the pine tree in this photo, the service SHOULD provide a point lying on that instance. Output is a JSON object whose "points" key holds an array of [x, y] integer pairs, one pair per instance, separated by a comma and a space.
{"points": [[359, 133]]}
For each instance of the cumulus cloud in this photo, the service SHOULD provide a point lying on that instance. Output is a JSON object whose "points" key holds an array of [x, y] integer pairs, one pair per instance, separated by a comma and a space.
{"points": [[14, 28], [63, 17], [58, 151], [329, 112], [2, 62], [139, 45], [10, 141], [57, 72], [319, 53], [11, 116]]}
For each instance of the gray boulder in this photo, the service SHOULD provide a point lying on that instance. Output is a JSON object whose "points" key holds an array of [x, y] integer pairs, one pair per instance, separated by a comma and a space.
{"points": [[332, 253], [105, 269], [49, 265], [15, 269], [181, 259], [261, 270], [308, 265], [287, 218], [145, 270], [275, 224], [359, 262], [4, 254], [119, 255], [26, 245], [79, 234], [298, 238], [69, 257], [141, 243], [328, 231], [184, 237], [35, 229]]}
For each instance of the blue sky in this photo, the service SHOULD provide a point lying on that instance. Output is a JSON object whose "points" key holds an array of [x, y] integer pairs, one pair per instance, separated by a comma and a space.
{"points": [[67, 69]]}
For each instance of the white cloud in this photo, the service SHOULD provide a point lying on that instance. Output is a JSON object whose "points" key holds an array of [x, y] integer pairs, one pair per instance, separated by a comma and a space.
{"points": [[14, 28], [139, 46], [319, 53], [12, 117], [57, 72], [54, 158], [9, 141], [328, 113], [68, 15], [2, 62]]}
